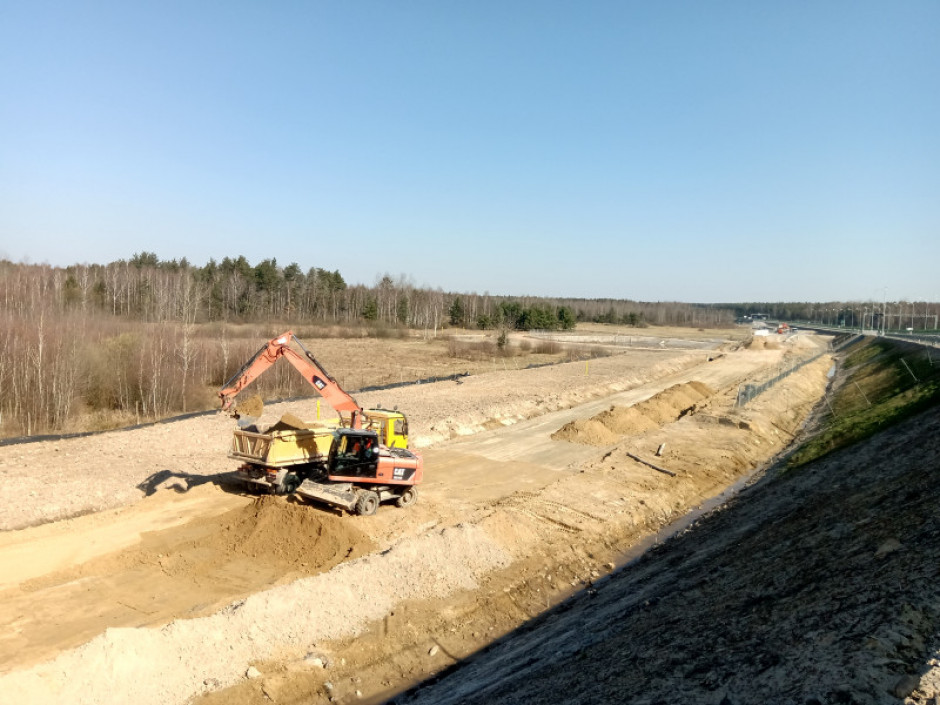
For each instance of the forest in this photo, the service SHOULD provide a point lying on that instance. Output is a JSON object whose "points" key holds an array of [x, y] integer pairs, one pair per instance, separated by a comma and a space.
{"points": [[94, 345]]}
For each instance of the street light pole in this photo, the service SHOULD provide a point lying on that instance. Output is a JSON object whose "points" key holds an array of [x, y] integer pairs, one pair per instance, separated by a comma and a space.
{"points": [[884, 309]]}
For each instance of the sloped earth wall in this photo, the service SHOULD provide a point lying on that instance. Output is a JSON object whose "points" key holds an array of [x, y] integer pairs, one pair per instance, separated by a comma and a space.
{"points": [[816, 586]]}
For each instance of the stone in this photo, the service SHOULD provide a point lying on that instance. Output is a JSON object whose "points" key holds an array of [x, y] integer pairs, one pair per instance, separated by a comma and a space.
{"points": [[905, 686], [252, 672], [433, 650], [889, 546]]}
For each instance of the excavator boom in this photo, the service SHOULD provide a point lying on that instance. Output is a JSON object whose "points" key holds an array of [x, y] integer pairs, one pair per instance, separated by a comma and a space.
{"points": [[305, 363]]}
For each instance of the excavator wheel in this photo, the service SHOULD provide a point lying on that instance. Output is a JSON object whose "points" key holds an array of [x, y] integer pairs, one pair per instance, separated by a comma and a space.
{"points": [[288, 485], [367, 503], [407, 498]]}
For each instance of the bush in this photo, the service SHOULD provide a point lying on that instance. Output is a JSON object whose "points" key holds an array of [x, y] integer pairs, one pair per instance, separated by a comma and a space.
{"points": [[546, 347]]}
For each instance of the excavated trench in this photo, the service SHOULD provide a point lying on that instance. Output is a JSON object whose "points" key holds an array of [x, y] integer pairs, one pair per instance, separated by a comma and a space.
{"points": [[198, 566]]}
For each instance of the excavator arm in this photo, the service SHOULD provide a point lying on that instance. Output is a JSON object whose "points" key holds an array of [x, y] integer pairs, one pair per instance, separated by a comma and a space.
{"points": [[305, 363]]}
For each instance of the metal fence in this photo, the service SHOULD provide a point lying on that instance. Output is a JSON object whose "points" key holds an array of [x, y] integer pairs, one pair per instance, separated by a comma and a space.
{"points": [[747, 392]]}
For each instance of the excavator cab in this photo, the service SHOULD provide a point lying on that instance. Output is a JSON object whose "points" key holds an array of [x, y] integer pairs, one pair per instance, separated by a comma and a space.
{"points": [[355, 454]]}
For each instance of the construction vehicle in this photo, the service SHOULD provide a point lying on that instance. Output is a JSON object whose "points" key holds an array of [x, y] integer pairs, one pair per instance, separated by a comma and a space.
{"points": [[355, 463], [783, 329]]}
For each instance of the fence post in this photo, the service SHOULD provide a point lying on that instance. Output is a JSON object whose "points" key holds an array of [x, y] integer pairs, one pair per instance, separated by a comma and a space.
{"points": [[911, 371]]}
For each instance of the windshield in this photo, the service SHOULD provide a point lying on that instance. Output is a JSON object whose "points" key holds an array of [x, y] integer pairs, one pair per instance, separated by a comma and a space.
{"points": [[356, 448]]}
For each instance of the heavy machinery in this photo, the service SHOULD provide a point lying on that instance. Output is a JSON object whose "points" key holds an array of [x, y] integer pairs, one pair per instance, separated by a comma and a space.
{"points": [[356, 463]]}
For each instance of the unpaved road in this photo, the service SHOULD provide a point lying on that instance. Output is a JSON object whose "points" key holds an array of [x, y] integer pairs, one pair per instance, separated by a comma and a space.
{"points": [[499, 507]]}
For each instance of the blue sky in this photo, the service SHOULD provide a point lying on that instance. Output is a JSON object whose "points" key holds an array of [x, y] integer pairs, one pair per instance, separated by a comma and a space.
{"points": [[675, 150]]}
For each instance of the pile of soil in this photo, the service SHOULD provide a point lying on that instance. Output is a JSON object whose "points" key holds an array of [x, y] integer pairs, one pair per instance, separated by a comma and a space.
{"points": [[588, 431], [273, 532], [289, 533], [609, 426], [290, 422], [191, 656], [192, 569]]}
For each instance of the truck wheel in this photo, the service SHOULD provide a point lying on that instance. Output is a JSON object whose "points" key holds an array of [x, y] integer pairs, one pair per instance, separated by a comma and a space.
{"points": [[367, 503], [407, 498]]}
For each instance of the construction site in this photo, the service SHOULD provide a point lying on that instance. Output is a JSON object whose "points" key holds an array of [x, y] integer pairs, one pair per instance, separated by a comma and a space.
{"points": [[619, 529]]}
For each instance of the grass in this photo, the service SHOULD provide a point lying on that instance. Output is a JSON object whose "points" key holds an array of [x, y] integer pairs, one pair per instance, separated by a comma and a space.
{"points": [[884, 383]]}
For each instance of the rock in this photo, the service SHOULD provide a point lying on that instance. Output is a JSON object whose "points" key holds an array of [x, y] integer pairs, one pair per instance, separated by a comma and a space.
{"points": [[211, 683], [252, 672], [269, 692], [433, 650], [889, 546], [907, 685], [316, 662]]}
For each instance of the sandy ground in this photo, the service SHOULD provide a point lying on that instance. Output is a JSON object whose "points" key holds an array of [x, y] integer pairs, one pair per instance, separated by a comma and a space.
{"points": [[199, 591], [60, 479]]}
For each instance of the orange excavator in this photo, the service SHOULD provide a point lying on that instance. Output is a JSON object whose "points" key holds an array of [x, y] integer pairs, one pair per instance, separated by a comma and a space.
{"points": [[356, 465]]}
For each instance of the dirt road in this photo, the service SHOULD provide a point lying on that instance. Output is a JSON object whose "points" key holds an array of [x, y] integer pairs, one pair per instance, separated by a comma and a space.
{"points": [[498, 504]]}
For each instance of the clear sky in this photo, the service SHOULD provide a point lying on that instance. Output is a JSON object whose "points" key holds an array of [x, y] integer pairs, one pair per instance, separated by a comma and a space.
{"points": [[674, 150]]}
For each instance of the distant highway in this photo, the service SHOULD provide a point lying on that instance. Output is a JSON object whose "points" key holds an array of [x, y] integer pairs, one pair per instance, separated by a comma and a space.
{"points": [[931, 339]]}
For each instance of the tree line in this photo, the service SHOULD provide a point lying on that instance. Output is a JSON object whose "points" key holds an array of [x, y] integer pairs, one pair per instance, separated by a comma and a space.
{"points": [[144, 338], [146, 288]]}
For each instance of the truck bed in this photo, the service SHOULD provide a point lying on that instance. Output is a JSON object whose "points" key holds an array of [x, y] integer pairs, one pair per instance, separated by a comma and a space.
{"points": [[282, 448]]}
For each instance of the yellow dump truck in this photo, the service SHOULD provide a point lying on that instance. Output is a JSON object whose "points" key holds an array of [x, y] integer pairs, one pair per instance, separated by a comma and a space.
{"points": [[291, 451]]}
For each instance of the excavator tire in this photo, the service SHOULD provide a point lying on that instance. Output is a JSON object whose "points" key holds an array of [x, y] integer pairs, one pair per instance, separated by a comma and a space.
{"points": [[289, 484], [407, 498], [367, 503]]}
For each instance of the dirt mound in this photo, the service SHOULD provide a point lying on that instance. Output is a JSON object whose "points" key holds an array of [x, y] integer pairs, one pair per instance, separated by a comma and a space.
{"points": [[758, 342], [607, 427], [587, 431], [623, 420], [673, 403], [186, 570], [290, 422], [283, 535], [805, 341]]}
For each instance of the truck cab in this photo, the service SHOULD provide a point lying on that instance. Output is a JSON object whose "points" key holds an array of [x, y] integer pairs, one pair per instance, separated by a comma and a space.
{"points": [[391, 426]]}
